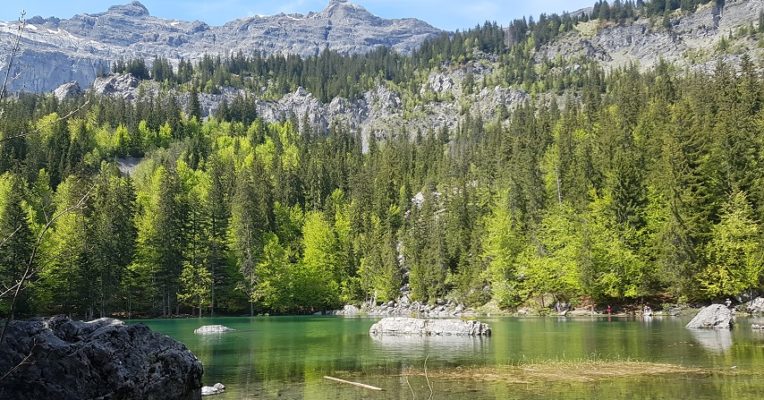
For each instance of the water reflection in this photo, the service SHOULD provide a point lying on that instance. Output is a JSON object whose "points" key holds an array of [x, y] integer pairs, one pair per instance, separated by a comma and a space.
{"points": [[716, 340], [445, 348]]}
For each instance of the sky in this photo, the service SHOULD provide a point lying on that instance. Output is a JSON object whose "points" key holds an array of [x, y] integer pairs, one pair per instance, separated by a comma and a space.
{"points": [[444, 14]]}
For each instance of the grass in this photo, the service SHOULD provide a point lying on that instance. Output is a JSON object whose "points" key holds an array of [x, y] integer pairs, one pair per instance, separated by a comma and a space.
{"points": [[557, 371]]}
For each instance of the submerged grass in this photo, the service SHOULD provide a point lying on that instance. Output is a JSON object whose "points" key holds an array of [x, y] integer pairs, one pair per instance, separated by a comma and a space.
{"points": [[557, 371]]}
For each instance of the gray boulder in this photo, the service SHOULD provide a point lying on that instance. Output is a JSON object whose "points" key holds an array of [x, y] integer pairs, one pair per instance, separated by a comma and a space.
{"points": [[349, 310], [212, 329], [757, 327], [67, 91], [101, 359], [715, 316], [756, 306], [429, 327], [124, 85]]}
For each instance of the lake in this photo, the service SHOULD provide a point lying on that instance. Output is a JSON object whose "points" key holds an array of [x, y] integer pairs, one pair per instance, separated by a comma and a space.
{"points": [[287, 357]]}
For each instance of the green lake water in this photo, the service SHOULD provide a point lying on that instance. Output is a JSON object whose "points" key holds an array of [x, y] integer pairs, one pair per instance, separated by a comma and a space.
{"points": [[287, 357]]}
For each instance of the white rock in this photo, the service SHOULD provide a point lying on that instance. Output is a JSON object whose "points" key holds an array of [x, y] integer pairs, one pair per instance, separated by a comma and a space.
{"points": [[429, 327], [212, 329], [715, 316], [756, 306], [217, 388]]}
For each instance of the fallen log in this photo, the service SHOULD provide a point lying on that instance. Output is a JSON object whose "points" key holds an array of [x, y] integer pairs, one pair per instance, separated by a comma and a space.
{"points": [[331, 378]]}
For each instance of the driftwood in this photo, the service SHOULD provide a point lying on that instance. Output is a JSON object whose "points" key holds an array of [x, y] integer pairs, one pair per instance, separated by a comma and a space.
{"points": [[331, 378]]}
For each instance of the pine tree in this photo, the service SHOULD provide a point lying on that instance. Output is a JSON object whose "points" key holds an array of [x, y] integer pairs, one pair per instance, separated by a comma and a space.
{"points": [[17, 240], [735, 254]]}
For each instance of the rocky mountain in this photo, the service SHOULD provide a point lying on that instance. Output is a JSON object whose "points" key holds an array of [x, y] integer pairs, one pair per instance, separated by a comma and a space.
{"points": [[693, 40], [443, 103], [55, 51]]}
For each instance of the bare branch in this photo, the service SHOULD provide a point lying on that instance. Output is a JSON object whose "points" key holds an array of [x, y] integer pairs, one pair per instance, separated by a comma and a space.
{"points": [[14, 52], [10, 237]]}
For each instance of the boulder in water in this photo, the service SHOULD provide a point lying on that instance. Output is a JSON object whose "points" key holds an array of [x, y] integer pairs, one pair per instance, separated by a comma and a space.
{"points": [[212, 329], [217, 388], [715, 316], [58, 358], [755, 306], [429, 327]]}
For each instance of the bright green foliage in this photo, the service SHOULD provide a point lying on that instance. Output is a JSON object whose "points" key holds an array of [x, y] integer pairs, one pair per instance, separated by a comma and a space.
{"points": [[501, 246], [69, 268], [275, 276], [322, 265], [610, 269], [552, 263], [195, 287], [735, 253]]}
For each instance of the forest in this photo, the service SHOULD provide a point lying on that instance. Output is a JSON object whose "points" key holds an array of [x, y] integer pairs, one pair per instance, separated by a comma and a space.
{"points": [[628, 185]]}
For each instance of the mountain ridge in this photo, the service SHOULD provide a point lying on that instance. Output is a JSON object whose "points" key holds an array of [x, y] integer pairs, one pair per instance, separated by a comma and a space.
{"points": [[83, 46]]}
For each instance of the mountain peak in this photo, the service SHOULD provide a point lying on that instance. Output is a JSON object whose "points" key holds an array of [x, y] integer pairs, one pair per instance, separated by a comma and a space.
{"points": [[343, 8], [133, 9]]}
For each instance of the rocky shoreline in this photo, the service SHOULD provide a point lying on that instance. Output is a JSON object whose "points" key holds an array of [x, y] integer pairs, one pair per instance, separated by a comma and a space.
{"points": [[406, 308], [403, 307]]}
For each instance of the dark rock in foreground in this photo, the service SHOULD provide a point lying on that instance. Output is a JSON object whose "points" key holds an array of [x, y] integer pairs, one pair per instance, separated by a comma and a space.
{"points": [[101, 359], [715, 316], [429, 327]]}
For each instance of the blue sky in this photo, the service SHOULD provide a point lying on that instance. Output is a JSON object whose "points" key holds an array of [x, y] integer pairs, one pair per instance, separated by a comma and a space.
{"points": [[444, 14]]}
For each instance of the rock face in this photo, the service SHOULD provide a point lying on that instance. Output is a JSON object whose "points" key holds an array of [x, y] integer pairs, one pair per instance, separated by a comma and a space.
{"points": [[56, 50], [212, 329], [429, 327], [755, 306], [690, 40], [101, 359], [715, 316]]}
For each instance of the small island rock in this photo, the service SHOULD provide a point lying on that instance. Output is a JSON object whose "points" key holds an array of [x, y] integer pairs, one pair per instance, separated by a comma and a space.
{"points": [[217, 388], [429, 327], [212, 329], [715, 316]]}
